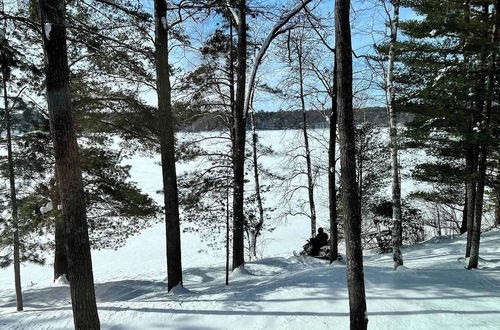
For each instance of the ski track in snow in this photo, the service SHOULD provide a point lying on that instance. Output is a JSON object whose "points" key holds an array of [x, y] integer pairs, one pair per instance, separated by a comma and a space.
{"points": [[279, 291]]}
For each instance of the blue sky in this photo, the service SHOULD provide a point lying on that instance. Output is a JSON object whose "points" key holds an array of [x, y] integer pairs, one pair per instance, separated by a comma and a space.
{"points": [[368, 27]]}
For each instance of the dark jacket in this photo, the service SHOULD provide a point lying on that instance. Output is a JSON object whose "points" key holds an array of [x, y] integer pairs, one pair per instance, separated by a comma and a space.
{"points": [[321, 239]]}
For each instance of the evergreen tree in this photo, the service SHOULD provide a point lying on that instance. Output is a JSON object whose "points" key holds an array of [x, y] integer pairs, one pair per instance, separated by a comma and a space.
{"points": [[447, 76]]}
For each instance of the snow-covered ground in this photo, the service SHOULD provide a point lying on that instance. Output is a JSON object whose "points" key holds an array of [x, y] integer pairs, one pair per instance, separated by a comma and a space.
{"points": [[280, 291], [434, 292]]}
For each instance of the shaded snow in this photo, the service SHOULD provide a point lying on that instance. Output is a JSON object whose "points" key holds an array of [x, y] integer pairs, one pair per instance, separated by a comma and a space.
{"points": [[293, 293], [279, 291], [61, 281]]}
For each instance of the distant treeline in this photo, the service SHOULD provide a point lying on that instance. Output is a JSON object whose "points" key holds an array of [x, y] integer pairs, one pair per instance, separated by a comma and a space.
{"points": [[277, 120]]}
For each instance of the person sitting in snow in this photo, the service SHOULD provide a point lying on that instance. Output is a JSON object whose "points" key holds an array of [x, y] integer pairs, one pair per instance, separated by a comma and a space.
{"points": [[319, 241]]}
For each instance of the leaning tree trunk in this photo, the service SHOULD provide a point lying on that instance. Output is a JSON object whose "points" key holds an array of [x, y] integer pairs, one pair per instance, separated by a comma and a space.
{"points": [[12, 184], [483, 147], [307, 149], [167, 147], [52, 15], [239, 141], [352, 216], [332, 162], [397, 232]]}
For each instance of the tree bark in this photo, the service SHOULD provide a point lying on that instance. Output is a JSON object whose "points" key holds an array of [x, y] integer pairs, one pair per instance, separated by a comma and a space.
{"points": [[307, 149], [483, 146], [352, 216], [463, 226], [12, 185], [167, 147], [332, 163], [470, 148], [470, 166], [239, 141], [397, 232], [497, 207], [255, 232], [52, 15], [60, 256]]}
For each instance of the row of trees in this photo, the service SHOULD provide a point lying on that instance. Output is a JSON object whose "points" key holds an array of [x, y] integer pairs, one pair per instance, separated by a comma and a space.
{"points": [[100, 58]]}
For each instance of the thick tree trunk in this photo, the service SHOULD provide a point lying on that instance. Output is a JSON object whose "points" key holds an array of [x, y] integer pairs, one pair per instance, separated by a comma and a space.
{"points": [[12, 184], [52, 15], [483, 147], [307, 149], [60, 258], [332, 163], [397, 220], [239, 142], [352, 216], [167, 147]]}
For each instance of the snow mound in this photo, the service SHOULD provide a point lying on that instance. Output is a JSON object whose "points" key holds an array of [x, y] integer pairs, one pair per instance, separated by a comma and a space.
{"points": [[240, 272], [61, 281], [179, 290], [402, 268], [482, 263]]}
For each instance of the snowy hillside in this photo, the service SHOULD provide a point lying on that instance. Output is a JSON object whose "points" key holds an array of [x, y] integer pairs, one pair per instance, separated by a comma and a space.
{"points": [[434, 292], [280, 291]]}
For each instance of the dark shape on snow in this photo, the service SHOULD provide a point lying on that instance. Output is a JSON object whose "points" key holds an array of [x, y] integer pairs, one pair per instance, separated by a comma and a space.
{"points": [[318, 242], [318, 247]]}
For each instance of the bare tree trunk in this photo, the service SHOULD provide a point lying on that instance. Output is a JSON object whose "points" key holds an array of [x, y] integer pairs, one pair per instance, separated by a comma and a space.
{"points": [[483, 147], [255, 232], [497, 206], [397, 232], [239, 142], [476, 232], [60, 258], [52, 15], [307, 149], [332, 163], [167, 146], [470, 165], [470, 152], [352, 216], [231, 129], [60, 255], [12, 184], [227, 231], [463, 226]]}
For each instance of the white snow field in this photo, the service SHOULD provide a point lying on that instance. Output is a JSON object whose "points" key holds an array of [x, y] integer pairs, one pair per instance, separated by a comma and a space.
{"points": [[279, 291]]}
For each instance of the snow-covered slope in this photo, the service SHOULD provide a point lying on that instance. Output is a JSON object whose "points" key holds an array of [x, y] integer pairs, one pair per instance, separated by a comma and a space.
{"points": [[281, 291], [434, 292]]}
